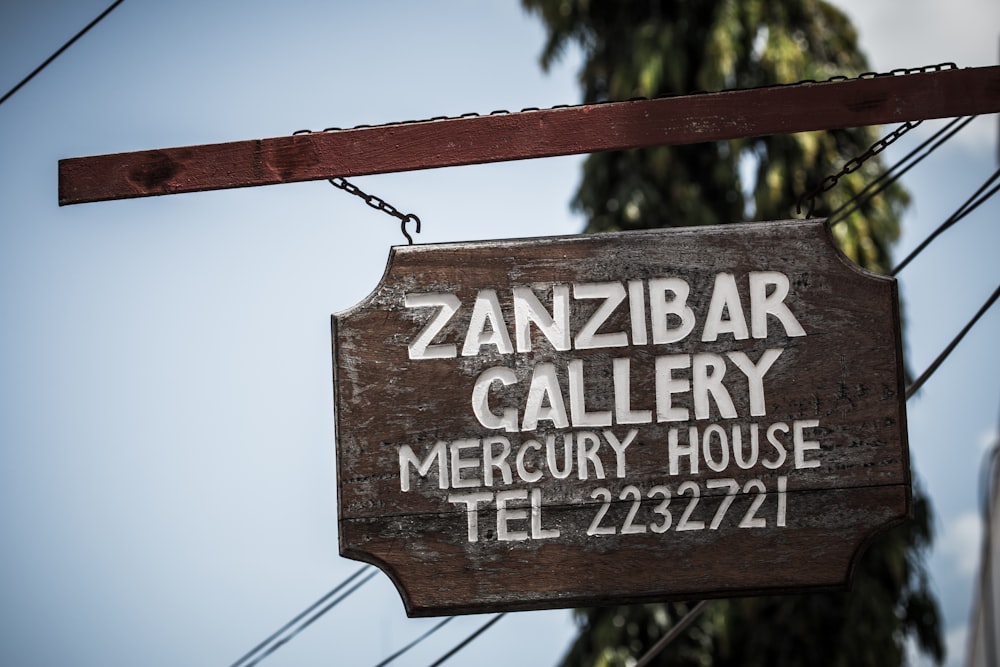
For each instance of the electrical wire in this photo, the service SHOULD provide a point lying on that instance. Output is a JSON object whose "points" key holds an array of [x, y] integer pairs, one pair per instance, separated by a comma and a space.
{"points": [[242, 661], [61, 49], [871, 190], [465, 642], [679, 627], [415, 642], [916, 384], [655, 650], [274, 647], [888, 177], [696, 611], [966, 208], [970, 205]]}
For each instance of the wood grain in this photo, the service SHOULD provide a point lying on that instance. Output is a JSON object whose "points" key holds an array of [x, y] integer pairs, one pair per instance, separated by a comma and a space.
{"points": [[840, 381], [531, 134]]}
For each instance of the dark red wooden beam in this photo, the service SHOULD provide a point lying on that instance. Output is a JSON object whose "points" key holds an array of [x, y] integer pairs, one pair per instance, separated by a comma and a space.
{"points": [[532, 134]]}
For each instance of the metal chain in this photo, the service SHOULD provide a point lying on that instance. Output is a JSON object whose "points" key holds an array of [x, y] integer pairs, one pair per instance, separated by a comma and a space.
{"points": [[378, 204], [382, 205], [853, 165], [501, 112]]}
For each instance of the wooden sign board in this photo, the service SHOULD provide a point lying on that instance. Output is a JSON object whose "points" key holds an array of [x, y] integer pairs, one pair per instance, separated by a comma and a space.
{"points": [[624, 417]]}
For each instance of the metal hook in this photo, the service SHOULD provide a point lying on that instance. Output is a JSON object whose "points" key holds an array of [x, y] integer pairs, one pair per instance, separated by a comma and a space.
{"points": [[402, 226], [811, 198]]}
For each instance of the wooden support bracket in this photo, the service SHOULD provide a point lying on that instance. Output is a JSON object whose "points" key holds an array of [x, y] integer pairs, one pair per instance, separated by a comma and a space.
{"points": [[532, 134]]}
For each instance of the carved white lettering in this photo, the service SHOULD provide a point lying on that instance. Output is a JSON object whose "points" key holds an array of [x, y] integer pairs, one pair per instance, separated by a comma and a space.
{"points": [[763, 304], [578, 400], [662, 310], [667, 385], [537, 532], [420, 347], [471, 502], [529, 310], [408, 458], [619, 446], [624, 414], [492, 461], [725, 301], [526, 475], [755, 376], [802, 445], [486, 311], [505, 515], [637, 311], [707, 371], [675, 450], [613, 294], [779, 447], [587, 444], [545, 399], [751, 460], [481, 399], [458, 464], [662, 303], [722, 462]]}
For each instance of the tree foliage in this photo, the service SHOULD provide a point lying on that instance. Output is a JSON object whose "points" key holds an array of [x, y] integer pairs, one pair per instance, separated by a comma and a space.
{"points": [[653, 48]]}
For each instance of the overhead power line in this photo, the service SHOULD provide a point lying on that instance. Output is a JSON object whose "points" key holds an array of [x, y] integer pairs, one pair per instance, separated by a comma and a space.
{"points": [[655, 650], [679, 627], [273, 643], [696, 611], [891, 175], [415, 642], [871, 190], [59, 52], [916, 384], [970, 205], [465, 642]]}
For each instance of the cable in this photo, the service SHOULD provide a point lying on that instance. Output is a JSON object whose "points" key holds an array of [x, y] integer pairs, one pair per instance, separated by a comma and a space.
{"points": [[688, 618], [968, 207], [59, 52], [696, 611], [853, 165], [889, 178], [916, 384], [274, 647], [654, 651], [242, 662], [297, 618], [415, 642], [486, 626], [679, 627]]}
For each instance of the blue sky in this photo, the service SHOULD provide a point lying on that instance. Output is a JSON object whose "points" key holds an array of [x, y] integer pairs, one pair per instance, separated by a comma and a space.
{"points": [[167, 488]]}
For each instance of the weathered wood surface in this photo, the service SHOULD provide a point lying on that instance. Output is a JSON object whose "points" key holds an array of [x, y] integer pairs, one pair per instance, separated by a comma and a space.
{"points": [[532, 134], [834, 386]]}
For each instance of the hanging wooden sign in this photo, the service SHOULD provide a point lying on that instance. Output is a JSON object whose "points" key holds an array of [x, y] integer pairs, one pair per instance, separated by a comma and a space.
{"points": [[623, 417]]}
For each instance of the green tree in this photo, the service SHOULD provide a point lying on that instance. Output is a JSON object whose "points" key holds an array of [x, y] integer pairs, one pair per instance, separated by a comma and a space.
{"points": [[652, 48]]}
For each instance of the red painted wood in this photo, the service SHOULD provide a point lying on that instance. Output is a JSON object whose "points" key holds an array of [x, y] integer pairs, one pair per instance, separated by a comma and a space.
{"points": [[532, 134]]}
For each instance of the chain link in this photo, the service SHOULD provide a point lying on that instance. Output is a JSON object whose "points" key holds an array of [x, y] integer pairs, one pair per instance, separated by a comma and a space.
{"points": [[853, 165], [828, 183], [379, 204], [926, 69]]}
